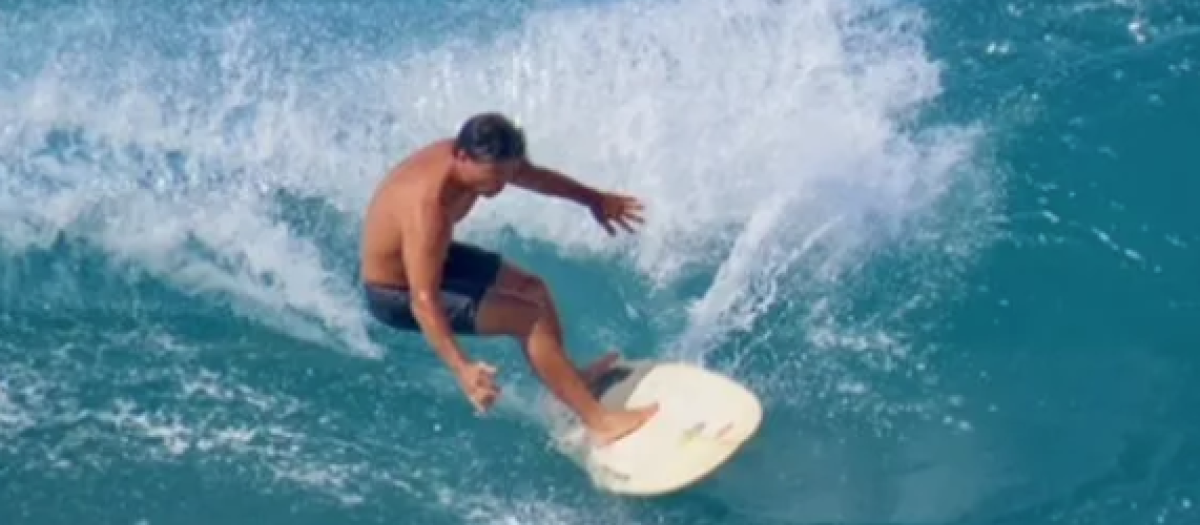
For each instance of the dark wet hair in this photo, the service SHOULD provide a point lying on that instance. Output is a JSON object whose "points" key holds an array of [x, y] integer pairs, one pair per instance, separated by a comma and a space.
{"points": [[490, 137]]}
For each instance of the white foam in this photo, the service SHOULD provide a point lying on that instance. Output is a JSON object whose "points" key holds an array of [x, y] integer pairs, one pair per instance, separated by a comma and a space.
{"points": [[754, 131], [771, 141], [744, 126]]}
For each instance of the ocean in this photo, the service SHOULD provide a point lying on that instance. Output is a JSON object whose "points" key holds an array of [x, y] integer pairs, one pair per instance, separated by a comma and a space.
{"points": [[953, 245]]}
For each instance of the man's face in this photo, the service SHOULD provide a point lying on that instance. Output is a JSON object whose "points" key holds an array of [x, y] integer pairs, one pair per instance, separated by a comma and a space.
{"points": [[489, 178]]}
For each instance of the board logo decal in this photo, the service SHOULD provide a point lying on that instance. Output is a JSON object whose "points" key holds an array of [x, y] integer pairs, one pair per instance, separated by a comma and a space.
{"points": [[690, 434]]}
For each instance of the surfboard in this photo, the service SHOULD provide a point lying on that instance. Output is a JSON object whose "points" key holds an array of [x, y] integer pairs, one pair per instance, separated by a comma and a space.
{"points": [[704, 420]]}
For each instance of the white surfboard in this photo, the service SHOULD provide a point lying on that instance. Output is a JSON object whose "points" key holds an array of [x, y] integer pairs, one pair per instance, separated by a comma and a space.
{"points": [[704, 418]]}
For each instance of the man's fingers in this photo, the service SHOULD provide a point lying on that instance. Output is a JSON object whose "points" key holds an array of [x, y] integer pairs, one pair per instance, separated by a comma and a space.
{"points": [[623, 212], [485, 383], [483, 401], [487, 399], [625, 225]]}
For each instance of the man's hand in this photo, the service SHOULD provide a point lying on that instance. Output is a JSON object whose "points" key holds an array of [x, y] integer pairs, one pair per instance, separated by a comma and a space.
{"points": [[477, 381], [609, 208]]}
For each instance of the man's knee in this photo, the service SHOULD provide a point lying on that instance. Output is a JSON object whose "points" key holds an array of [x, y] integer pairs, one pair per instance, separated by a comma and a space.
{"points": [[508, 314], [527, 286], [535, 291]]}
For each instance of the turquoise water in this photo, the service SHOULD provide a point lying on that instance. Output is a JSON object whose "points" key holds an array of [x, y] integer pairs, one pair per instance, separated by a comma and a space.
{"points": [[952, 244]]}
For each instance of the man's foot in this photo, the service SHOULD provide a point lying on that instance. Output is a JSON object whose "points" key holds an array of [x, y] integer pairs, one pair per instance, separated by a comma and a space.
{"points": [[621, 423]]}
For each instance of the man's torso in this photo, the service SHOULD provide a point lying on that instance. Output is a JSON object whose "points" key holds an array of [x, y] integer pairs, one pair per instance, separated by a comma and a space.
{"points": [[421, 176]]}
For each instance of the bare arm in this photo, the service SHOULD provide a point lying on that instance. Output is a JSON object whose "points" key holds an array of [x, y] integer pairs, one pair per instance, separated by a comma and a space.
{"points": [[425, 241], [549, 182]]}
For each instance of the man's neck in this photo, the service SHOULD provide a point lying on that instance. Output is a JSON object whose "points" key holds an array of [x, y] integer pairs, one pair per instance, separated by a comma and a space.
{"points": [[453, 187]]}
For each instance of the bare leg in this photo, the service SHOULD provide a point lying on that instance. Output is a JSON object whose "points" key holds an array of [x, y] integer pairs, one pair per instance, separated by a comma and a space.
{"points": [[514, 281], [520, 306]]}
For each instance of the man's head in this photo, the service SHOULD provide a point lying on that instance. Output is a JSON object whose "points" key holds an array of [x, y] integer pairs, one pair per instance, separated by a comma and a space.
{"points": [[488, 150]]}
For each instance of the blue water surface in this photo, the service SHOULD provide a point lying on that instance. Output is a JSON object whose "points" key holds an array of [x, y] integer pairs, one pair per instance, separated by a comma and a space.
{"points": [[952, 245]]}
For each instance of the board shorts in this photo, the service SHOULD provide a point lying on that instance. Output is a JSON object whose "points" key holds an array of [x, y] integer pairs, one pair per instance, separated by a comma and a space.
{"points": [[467, 274]]}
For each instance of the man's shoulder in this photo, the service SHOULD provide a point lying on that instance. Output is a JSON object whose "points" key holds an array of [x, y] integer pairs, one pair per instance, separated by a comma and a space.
{"points": [[439, 149], [432, 157]]}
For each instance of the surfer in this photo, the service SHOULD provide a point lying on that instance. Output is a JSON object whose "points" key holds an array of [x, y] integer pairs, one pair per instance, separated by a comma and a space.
{"points": [[417, 278]]}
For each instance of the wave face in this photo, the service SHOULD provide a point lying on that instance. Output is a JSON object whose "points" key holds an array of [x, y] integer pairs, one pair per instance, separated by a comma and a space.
{"points": [[950, 245]]}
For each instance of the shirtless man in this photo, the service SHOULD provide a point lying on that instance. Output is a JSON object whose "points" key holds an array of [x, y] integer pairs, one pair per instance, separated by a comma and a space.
{"points": [[418, 279]]}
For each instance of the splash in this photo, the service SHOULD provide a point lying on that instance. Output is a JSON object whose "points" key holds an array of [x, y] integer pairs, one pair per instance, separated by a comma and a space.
{"points": [[778, 146]]}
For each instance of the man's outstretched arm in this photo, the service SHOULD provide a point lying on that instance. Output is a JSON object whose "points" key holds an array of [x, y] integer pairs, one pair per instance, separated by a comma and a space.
{"points": [[607, 208], [553, 183]]}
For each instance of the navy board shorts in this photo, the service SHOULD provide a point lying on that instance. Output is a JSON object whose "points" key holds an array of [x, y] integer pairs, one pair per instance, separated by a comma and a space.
{"points": [[467, 274]]}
